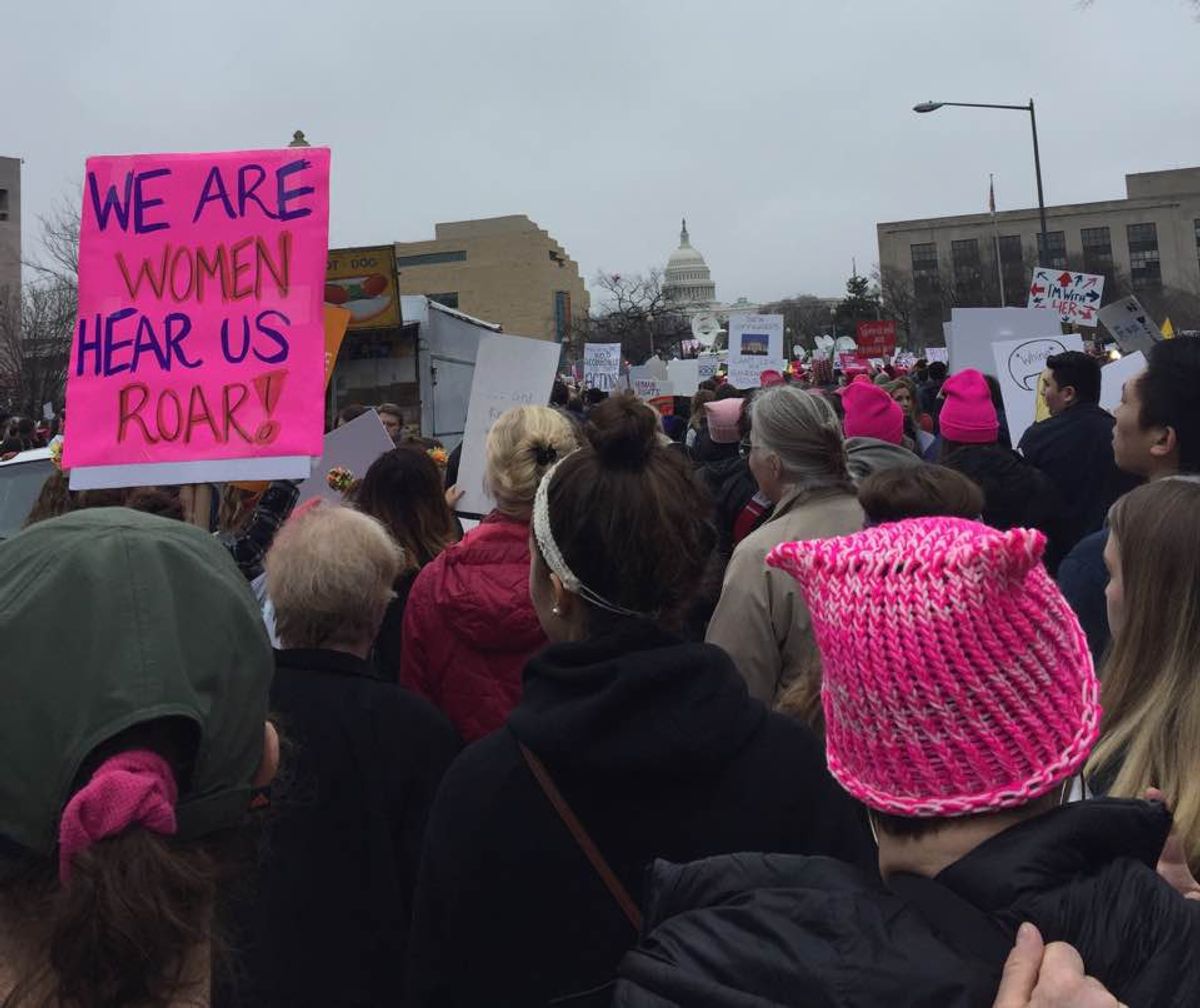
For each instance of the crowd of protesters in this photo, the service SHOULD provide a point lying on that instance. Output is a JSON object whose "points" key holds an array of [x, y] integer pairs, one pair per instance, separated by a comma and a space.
{"points": [[821, 693]]}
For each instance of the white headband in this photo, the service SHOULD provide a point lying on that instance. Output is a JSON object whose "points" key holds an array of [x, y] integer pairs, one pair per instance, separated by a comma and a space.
{"points": [[553, 555]]}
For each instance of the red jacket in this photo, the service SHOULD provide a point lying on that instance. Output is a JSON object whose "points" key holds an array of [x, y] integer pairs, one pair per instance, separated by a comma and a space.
{"points": [[470, 626]]}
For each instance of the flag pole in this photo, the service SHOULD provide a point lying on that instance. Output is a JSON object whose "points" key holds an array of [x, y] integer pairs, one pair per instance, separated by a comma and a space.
{"points": [[996, 236]]}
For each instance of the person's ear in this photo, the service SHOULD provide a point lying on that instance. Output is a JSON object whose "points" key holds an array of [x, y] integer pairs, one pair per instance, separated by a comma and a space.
{"points": [[564, 600], [1165, 442], [268, 766]]}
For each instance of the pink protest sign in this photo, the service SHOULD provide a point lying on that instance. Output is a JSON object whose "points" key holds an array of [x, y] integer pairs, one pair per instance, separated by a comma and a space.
{"points": [[200, 335]]}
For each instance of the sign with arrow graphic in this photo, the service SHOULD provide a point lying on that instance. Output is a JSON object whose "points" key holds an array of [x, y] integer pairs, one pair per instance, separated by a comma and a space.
{"points": [[1130, 326], [1075, 296]]}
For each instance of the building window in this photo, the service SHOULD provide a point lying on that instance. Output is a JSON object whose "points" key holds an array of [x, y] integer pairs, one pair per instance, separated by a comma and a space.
{"points": [[430, 259], [1054, 254], [3, 204], [968, 274], [1144, 268], [1196, 224], [447, 300], [562, 315], [1097, 250], [925, 269], [1012, 269]]}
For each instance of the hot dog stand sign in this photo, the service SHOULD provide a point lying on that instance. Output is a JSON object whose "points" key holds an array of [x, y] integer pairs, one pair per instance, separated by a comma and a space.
{"points": [[363, 281]]}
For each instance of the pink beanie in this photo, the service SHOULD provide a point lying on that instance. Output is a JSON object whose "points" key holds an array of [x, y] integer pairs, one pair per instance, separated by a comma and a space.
{"points": [[723, 416], [968, 415], [770, 378], [871, 412], [956, 677]]}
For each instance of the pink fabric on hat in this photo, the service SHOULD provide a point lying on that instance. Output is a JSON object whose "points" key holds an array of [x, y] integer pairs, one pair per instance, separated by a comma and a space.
{"points": [[967, 414], [131, 787], [770, 378], [871, 412], [723, 416], [956, 677]]}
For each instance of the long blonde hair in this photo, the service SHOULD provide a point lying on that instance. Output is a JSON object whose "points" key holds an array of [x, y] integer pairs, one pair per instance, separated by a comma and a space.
{"points": [[1151, 692]]}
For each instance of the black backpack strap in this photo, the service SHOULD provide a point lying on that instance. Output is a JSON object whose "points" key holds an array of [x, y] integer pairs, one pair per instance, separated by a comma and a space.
{"points": [[961, 925]]}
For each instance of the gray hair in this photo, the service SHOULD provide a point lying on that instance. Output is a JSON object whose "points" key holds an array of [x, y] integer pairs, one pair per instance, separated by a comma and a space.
{"points": [[802, 430]]}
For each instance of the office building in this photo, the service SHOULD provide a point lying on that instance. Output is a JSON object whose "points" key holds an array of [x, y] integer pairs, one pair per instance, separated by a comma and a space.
{"points": [[1147, 243], [504, 269], [10, 227]]}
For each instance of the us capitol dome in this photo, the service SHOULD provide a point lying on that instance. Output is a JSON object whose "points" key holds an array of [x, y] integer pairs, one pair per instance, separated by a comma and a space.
{"points": [[688, 283]]}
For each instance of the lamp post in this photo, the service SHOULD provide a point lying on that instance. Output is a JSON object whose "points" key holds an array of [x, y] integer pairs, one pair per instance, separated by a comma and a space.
{"points": [[932, 106]]}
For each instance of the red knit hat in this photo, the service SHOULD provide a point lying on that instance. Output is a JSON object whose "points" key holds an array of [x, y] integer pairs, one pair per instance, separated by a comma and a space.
{"points": [[770, 378], [956, 677], [871, 412], [968, 415]]}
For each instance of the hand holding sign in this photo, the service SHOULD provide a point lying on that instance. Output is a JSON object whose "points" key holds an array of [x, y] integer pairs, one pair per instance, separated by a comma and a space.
{"points": [[200, 333]]}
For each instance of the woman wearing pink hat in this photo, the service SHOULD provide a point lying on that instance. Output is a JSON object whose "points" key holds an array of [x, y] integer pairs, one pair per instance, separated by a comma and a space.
{"points": [[960, 702]]}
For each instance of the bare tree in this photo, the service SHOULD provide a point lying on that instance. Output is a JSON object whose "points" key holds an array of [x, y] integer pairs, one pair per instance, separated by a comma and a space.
{"points": [[898, 299], [35, 344], [805, 317], [639, 314]]}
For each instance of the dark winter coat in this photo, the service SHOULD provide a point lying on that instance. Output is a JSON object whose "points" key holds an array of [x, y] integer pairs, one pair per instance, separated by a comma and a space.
{"points": [[1016, 494], [659, 751], [1074, 450], [1084, 874], [470, 626], [389, 642], [731, 485], [1083, 578], [334, 889]]}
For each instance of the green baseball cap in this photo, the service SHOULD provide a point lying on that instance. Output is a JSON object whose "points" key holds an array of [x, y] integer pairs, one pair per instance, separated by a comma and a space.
{"points": [[111, 618]]}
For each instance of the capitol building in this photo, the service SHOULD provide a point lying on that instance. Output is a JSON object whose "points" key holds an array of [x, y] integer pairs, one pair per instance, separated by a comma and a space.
{"points": [[689, 286]]}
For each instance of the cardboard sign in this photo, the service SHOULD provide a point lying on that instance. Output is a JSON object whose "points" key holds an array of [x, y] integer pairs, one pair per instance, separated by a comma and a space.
{"points": [[848, 360], [602, 365], [510, 371], [336, 322], [707, 367], [651, 388], [354, 446], [199, 349], [1076, 297], [1018, 367], [363, 281], [937, 353], [974, 330], [876, 339], [755, 346], [1130, 325], [1115, 374]]}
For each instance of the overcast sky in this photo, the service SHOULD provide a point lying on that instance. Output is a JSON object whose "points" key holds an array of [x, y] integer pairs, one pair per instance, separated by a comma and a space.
{"points": [[781, 129]]}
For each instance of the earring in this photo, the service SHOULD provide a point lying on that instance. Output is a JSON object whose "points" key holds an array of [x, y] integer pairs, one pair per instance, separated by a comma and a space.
{"points": [[556, 612]]}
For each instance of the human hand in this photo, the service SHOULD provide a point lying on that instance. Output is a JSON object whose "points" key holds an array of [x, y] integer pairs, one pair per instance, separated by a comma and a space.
{"points": [[1048, 976], [1172, 862], [453, 496]]}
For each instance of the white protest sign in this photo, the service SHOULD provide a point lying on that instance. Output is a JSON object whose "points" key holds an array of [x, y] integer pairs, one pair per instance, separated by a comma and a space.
{"points": [[937, 353], [1115, 374], [1130, 326], [651, 388], [602, 365], [974, 330], [755, 346], [352, 446], [707, 367], [1018, 366], [509, 371], [1074, 296], [684, 376]]}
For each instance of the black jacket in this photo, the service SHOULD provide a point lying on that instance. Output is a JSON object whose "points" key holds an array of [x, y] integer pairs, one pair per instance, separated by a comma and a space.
{"points": [[1082, 577], [731, 484], [1074, 450], [362, 762], [1084, 874], [1016, 494], [660, 752]]}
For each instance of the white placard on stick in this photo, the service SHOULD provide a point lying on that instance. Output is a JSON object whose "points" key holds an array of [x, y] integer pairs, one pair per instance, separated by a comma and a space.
{"points": [[1075, 297], [352, 446], [974, 330], [1130, 325], [755, 346], [509, 371], [1115, 374], [684, 376], [1018, 366], [602, 365]]}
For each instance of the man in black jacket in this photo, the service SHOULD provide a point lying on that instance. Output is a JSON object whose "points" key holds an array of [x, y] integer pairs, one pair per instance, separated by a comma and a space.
{"points": [[1073, 446], [961, 749]]}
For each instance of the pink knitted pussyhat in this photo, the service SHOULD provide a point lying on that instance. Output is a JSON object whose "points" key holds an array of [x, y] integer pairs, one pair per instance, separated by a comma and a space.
{"points": [[871, 412], [723, 416], [968, 415], [956, 677]]}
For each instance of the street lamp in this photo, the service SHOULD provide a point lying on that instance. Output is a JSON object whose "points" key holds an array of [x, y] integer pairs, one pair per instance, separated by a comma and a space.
{"points": [[932, 106]]}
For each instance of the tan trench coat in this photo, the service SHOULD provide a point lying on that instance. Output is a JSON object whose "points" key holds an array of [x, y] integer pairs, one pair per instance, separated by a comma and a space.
{"points": [[761, 619]]}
